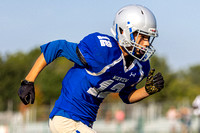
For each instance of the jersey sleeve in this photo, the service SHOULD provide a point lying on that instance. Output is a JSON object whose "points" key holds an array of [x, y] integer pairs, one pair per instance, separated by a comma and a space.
{"points": [[98, 50], [60, 48], [124, 93]]}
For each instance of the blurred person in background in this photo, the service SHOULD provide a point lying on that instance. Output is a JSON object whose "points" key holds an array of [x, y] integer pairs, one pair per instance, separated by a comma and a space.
{"points": [[172, 116], [196, 109], [185, 118], [103, 65]]}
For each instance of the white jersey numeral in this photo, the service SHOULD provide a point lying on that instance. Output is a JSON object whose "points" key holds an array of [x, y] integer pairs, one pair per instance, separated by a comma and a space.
{"points": [[100, 93], [105, 41]]}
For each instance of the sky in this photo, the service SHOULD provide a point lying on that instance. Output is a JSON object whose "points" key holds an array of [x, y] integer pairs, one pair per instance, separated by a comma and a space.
{"points": [[27, 24]]}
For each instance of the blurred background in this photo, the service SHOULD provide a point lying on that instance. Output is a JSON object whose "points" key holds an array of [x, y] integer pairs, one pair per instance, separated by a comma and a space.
{"points": [[25, 25]]}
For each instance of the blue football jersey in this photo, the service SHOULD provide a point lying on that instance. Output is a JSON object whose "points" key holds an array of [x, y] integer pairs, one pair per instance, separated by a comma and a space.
{"points": [[85, 86]]}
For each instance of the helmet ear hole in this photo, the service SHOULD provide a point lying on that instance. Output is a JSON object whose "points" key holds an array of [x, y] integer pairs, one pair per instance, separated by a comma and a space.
{"points": [[120, 30]]}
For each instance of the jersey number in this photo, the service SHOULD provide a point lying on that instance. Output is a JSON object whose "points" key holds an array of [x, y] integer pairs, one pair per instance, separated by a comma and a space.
{"points": [[105, 41], [100, 93]]}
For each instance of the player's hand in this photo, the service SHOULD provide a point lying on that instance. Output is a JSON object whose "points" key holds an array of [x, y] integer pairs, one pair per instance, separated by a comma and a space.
{"points": [[27, 92], [154, 83]]}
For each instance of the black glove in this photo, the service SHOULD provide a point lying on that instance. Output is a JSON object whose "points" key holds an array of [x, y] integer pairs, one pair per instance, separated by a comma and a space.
{"points": [[154, 83], [27, 92]]}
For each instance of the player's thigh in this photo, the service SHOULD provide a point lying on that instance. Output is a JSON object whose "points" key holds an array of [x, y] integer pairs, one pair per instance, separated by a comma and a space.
{"points": [[82, 128], [61, 124]]}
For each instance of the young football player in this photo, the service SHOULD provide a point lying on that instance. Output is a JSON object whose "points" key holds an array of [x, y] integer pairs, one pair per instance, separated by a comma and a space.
{"points": [[103, 65]]}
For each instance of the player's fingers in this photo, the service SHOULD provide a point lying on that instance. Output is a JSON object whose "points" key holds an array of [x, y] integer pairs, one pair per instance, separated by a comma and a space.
{"points": [[32, 98], [157, 77], [158, 81], [151, 72], [159, 84], [160, 87], [23, 100], [150, 76], [27, 99]]}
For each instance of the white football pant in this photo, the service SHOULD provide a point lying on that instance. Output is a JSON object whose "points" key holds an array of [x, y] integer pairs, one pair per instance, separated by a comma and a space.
{"points": [[61, 124]]}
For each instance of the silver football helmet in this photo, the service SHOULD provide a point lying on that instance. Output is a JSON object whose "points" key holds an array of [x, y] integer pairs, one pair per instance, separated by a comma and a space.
{"points": [[135, 19]]}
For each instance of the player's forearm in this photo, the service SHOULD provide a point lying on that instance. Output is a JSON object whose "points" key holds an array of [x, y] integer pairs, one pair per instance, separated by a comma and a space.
{"points": [[36, 69], [138, 95]]}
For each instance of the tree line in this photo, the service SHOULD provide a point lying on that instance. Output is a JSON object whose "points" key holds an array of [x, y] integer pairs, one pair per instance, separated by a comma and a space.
{"points": [[179, 85]]}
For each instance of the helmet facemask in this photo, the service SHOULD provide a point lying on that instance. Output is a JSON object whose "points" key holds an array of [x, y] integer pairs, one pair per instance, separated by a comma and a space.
{"points": [[128, 39]]}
